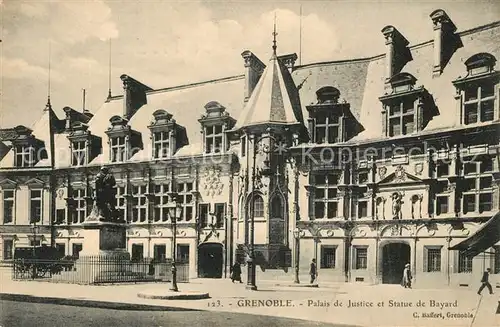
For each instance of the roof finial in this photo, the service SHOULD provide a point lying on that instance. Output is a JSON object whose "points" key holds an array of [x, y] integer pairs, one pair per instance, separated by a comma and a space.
{"points": [[109, 71], [48, 106], [274, 35]]}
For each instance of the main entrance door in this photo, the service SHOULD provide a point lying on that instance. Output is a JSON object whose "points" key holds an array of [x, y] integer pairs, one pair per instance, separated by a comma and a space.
{"points": [[394, 258], [210, 260]]}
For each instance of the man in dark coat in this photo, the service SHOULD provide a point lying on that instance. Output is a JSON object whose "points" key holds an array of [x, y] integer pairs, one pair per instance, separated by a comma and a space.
{"points": [[236, 272], [313, 271], [485, 282]]}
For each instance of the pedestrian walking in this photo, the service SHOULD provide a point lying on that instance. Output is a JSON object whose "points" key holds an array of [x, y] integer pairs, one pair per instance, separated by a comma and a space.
{"points": [[406, 282], [236, 272], [313, 271], [485, 282]]}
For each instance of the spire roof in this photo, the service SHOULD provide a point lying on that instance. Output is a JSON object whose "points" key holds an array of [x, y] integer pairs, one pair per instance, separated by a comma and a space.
{"points": [[275, 98]]}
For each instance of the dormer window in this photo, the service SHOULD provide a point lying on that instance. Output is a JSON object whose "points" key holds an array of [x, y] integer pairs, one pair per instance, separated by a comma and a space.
{"points": [[215, 123], [478, 90], [331, 121], [28, 150], [123, 141], [25, 156], [406, 109], [166, 134], [84, 145]]}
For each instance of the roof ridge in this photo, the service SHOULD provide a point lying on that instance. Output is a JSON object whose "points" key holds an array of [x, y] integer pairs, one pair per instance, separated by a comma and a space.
{"points": [[417, 45]]}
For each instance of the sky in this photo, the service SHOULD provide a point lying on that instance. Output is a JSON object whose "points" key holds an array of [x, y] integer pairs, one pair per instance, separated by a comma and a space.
{"points": [[167, 43]]}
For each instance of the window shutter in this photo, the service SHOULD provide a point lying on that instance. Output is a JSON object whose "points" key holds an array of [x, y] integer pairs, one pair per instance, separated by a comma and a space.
{"points": [[426, 260]]}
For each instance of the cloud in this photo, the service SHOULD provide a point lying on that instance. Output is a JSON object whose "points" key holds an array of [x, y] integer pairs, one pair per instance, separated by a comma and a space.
{"points": [[33, 9], [21, 69]]}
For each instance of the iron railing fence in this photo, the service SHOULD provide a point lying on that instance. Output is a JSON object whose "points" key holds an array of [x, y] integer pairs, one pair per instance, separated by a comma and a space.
{"points": [[98, 270]]}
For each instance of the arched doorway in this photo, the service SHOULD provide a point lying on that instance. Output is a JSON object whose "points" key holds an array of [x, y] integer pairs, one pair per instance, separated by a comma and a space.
{"points": [[394, 257], [210, 260]]}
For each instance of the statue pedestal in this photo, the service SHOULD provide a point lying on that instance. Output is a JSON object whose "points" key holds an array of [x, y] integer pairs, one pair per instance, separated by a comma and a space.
{"points": [[103, 238]]}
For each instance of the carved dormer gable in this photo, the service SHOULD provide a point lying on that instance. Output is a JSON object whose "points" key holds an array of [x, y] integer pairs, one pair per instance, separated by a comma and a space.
{"points": [[74, 117], [35, 183], [400, 176], [214, 125], [124, 142], [477, 90], [27, 148], [7, 184], [331, 120], [84, 146], [407, 108], [167, 136]]}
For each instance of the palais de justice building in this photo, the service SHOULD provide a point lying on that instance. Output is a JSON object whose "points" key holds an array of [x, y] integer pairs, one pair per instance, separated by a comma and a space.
{"points": [[368, 164]]}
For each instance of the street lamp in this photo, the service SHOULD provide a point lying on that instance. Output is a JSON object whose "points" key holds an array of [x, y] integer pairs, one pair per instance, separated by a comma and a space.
{"points": [[174, 211], [35, 231], [296, 233], [266, 171]]}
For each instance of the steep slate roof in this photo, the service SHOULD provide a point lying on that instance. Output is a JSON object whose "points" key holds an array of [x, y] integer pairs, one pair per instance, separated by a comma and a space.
{"points": [[274, 99], [360, 82]]}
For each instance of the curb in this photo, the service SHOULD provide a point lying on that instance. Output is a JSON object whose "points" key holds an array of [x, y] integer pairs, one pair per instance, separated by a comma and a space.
{"points": [[174, 295], [88, 303], [298, 285]]}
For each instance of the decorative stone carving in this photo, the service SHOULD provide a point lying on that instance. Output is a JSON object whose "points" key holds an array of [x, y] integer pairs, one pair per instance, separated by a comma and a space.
{"points": [[330, 232], [396, 230], [419, 168], [213, 185], [399, 174], [396, 205], [416, 206], [381, 172], [60, 193], [379, 208]]}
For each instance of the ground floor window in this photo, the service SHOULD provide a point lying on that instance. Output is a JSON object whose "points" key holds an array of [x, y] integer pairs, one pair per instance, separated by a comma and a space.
{"points": [[160, 252], [77, 247], [182, 252], [61, 249], [432, 258], [360, 257], [8, 246], [464, 263], [137, 252], [328, 256]]}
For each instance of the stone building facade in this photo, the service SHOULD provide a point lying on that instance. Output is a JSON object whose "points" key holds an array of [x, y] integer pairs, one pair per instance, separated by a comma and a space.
{"points": [[363, 164]]}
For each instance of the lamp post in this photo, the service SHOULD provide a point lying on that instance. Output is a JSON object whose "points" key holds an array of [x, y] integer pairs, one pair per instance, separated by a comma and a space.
{"points": [[251, 272], [296, 233], [174, 211], [35, 231]]}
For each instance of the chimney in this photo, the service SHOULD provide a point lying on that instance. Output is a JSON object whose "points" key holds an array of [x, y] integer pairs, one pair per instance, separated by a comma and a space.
{"points": [[253, 70], [134, 95], [444, 31], [397, 53], [288, 60]]}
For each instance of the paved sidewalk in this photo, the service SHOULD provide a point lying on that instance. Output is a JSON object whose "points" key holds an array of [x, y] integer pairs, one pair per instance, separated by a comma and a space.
{"points": [[377, 305]]}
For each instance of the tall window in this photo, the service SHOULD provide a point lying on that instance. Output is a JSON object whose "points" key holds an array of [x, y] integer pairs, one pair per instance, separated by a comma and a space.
{"points": [[76, 249], [8, 247], [139, 203], [432, 259], [121, 201], [80, 207], [327, 128], [464, 263], [219, 214], [477, 186], [161, 202], [35, 205], [161, 142], [442, 197], [362, 208], [204, 207], [479, 103], [258, 206], [184, 192], [118, 149], [25, 156], [137, 252], [361, 257], [8, 206], [213, 139], [325, 196], [328, 256], [401, 115], [79, 153]]}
